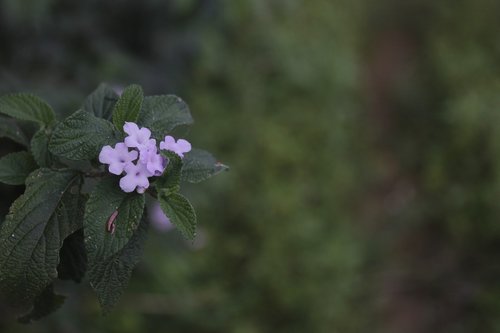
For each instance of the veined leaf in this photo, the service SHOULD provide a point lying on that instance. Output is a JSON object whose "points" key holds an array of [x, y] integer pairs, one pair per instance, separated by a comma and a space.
{"points": [[101, 102], [199, 165], [171, 178], [40, 148], [128, 106], [103, 239], [112, 238], [27, 107], [33, 233], [15, 167], [81, 136], [109, 277], [9, 129], [163, 113], [180, 212]]}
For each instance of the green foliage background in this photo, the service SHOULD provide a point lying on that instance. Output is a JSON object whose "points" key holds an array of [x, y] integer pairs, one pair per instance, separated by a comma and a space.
{"points": [[363, 139]]}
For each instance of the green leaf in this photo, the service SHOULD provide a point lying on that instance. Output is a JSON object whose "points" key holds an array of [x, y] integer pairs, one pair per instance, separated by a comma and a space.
{"points": [[81, 136], [15, 167], [199, 165], [27, 107], [180, 212], [128, 106], [170, 180], [101, 102], [109, 277], [33, 233], [45, 303], [113, 246], [73, 264], [106, 199], [40, 148], [9, 129], [162, 114], [106, 240]]}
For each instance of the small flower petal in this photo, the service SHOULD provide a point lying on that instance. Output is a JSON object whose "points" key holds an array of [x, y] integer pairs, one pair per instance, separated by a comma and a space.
{"points": [[116, 168], [147, 150], [106, 156], [168, 143], [137, 177], [155, 164], [130, 128], [180, 147], [137, 137], [127, 183], [117, 157], [183, 146]]}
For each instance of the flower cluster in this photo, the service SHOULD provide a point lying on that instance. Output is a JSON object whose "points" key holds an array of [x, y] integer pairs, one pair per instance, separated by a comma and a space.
{"points": [[139, 158]]}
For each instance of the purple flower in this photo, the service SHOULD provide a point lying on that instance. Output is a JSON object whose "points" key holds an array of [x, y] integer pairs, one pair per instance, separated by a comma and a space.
{"points": [[143, 161], [147, 149], [180, 147], [155, 163], [137, 138], [136, 178], [118, 158]]}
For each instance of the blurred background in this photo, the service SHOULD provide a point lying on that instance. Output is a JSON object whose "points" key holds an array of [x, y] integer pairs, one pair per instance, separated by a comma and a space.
{"points": [[364, 145]]}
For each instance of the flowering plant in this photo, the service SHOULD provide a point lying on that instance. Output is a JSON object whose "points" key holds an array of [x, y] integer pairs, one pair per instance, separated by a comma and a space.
{"points": [[82, 213], [150, 162]]}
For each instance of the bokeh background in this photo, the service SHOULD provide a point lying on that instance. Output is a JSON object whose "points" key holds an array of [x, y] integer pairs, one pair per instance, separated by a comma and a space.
{"points": [[364, 144]]}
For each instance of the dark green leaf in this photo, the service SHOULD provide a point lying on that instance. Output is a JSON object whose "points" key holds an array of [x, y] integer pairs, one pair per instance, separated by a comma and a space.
{"points": [[199, 165], [106, 199], [40, 148], [73, 264], [9, 129], [33, 233], [15, 167], [81, 165], [109, 277], [101, 102], [171, 177], [81, 136], [27, 107], [162, 114], [113, 246], [45, 303], [180, 212], [128, 106]]}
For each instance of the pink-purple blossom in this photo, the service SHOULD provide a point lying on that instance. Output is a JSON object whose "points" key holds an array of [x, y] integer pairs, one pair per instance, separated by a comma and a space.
{"points": [[117, 158], [148, 154], [138, 157], [137, 137], [147, 150], [179, 147], [136, 178], [156, 164]]}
